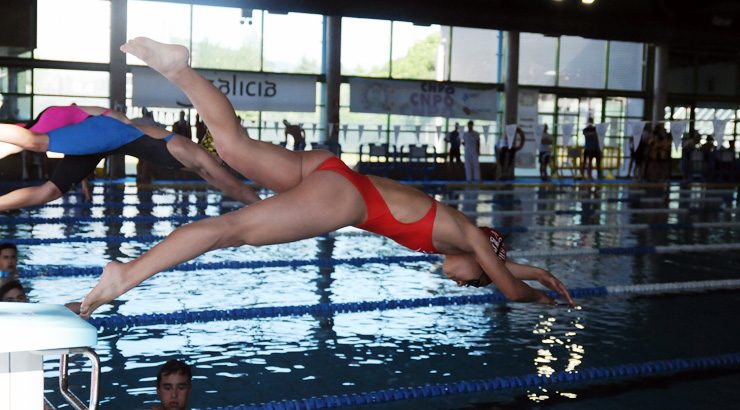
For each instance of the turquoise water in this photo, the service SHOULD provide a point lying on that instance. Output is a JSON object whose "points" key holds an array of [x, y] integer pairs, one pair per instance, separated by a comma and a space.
{"points": [[253, 361]]}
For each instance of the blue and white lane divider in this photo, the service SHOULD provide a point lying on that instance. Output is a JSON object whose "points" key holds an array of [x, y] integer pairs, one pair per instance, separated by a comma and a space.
{"points": [[114, 322], [19, 220], [51, 270], [354, 233], [428, 391], [576, 201], [587, 211], [140, 205]]}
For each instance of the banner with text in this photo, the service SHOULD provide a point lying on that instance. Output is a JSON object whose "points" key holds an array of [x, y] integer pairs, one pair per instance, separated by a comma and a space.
{"points": [[422, 98], [246, 91]]}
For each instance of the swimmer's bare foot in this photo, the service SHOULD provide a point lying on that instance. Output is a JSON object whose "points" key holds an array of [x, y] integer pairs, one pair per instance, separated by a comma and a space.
{"points": [[167, 59], [111, 285]]}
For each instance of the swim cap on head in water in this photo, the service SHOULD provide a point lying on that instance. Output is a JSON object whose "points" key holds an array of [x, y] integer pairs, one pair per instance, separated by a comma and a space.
{"points": [[497, 241]]}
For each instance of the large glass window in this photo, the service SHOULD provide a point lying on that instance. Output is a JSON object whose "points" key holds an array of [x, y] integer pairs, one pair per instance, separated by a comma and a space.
{"points": [[80, 36], [680, 73], [162, 21], [224, 38], [71, 82], [475, 55], [625, 66], [537, 59], [15, 80], [716, 75], [293, 42], [582, 62], [418, 51], [366, 47]]}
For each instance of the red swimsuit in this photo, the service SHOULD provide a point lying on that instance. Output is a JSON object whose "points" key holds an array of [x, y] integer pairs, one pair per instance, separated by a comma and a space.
{"points": [[415, 235]]}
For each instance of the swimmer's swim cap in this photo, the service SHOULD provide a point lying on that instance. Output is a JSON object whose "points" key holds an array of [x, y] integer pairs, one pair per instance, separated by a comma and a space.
{"points": [[497, 241]]}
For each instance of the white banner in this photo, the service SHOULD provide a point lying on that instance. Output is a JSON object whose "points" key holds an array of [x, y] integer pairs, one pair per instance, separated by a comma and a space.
{"points": [[527, 119], [567, 133], [635, 130], [486, 130], [423, 98], [510, 135], [719, 131], [439, 133], [246, 91], [601, 130], [677, 128]]}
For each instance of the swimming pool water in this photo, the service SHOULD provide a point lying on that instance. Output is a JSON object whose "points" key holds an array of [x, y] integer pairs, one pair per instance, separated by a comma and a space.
{"points": [[253, 361]]}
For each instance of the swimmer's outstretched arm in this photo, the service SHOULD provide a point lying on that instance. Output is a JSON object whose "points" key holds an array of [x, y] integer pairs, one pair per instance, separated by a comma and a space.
{"points": [[528, 272]]}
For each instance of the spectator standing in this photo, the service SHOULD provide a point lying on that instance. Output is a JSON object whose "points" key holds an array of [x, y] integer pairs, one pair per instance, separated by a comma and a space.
{"points": [[298, 134], [200, 129], [453, 138], [545, 153], [182, 127], [471, 140], [591, 151]]}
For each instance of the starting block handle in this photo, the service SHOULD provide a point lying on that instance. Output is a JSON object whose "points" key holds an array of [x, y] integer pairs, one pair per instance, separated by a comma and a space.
{"points": [[71, 398]]}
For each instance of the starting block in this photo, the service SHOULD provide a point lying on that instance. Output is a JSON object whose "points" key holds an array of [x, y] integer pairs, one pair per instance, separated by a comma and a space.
{"points": [[31, 331]]}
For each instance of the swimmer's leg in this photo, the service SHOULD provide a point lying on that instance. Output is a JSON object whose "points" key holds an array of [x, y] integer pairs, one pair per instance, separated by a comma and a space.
{"points": [[22, 139], [270, 221], [267, 164]]}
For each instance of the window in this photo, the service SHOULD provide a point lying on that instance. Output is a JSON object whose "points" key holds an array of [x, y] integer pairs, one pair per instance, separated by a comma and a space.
{"points": [[80, 36], [625, 66], [716, 74], [292, 42], [366, 47], [582, 62], [162, 21], [680, 73], [537, 59], [475, 55], [418, 51], [235, 45]]}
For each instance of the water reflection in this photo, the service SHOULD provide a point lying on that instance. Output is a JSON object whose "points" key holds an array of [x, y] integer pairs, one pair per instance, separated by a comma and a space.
{"points": [[558, 352]]}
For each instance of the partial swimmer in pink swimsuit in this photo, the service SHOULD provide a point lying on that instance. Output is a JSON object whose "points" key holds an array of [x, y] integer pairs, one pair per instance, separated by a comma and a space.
{"points": [[15, 138]]}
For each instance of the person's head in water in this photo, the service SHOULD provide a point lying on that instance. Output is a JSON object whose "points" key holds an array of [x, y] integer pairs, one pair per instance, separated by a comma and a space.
{"points": [[8, 258], [174, 382], [11, 290], [466, 271]]}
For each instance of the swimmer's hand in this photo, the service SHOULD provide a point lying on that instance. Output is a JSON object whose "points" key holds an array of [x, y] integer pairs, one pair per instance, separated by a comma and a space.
{"points": [[111, 285], [549, 280]]}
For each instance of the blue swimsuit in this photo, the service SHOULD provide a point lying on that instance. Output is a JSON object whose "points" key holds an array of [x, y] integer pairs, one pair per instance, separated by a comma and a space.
{"points": [[94, 135]]}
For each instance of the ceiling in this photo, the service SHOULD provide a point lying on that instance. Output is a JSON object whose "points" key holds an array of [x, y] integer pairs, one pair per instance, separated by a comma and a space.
{"points": [[713, 24]]}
